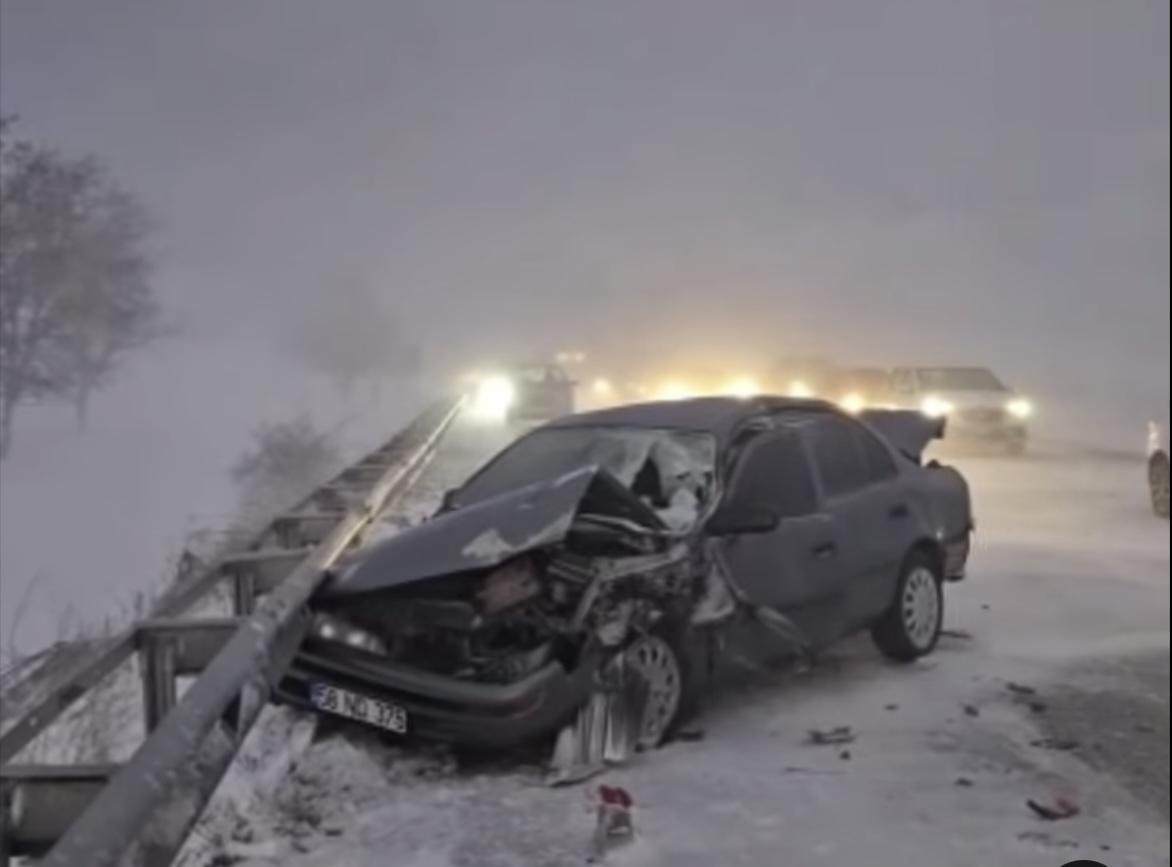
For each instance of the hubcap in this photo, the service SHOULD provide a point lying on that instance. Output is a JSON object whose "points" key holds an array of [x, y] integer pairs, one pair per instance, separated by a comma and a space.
{"points": [[654, 661], [921, 607]]}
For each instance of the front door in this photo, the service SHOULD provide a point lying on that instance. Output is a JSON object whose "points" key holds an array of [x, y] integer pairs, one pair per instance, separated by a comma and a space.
{"points": [[794, 570]]}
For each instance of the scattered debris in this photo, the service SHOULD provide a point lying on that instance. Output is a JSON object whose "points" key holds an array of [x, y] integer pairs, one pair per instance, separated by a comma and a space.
{"points": [[1020, 688], [985, 607], [971, 710], [615, 824], [1038, 706], [795, 769], [891, 707], [1061, 808], [960, 634], [1103, 847], [825, 737], [1046, 840], [845, 755], [964, 782], [1144, 728], [1059, 744]]}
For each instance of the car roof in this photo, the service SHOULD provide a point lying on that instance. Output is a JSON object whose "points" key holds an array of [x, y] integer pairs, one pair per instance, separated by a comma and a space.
{"points": [[720, 416]]}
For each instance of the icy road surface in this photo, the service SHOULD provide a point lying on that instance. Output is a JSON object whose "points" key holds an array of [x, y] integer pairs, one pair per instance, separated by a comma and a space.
{"points": [[1052, 681]]}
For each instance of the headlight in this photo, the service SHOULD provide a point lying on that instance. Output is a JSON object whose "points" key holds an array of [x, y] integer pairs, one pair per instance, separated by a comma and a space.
{"points": [[494, 397], [334, 629], [674, 390], [744, 386], [853, 403], [935, 407], [602, 387], [1020, 408], [800, 390]]}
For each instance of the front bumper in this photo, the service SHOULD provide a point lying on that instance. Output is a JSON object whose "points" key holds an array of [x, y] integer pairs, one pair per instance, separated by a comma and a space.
{"points": [[987, 428], [444, 708]]}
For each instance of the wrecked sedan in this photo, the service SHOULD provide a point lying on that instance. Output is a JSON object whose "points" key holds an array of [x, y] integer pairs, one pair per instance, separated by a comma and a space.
{"points": [[599, 571]]}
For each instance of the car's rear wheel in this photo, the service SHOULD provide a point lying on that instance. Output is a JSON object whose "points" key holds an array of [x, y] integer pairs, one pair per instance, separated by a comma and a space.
{"points": [[911, 626], [1158, 479]]}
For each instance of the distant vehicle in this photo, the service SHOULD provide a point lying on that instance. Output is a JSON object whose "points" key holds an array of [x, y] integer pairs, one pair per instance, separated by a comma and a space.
{"points": [[595, 574], [979, 406], [1158, 470], [541, 392], [803, 376], [857, 388]]}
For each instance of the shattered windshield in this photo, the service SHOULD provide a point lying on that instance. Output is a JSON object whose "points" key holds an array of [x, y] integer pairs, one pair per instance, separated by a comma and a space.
{"points": [[959, 379], [671, 471]]}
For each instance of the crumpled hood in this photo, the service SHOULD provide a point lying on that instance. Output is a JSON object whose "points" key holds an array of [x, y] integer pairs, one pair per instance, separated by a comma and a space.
{"points": [[485, 534]]}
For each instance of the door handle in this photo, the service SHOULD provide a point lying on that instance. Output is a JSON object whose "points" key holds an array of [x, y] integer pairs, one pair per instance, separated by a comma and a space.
{"points": [[825, 551], [899, 512]]}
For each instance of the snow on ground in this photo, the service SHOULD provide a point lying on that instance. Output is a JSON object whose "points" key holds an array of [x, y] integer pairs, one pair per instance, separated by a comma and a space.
{"points": [[152, 468], [1071, 571]]}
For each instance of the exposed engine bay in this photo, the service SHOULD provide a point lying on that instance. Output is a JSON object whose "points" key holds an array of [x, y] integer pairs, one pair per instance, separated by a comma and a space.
{"points": [[576, 581], [502, 625]]}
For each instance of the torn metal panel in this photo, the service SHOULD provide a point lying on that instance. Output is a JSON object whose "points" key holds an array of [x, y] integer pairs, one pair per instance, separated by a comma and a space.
{"points": [[910, 431]]}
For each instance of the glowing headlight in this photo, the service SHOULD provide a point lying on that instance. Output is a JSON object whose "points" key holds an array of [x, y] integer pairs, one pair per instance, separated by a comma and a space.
{"points": [[800, 390], [674, 391], [853, 403], [744, 386], [494, 397], [935, 407], [1020, 408], [334, 629], [602, 387]]}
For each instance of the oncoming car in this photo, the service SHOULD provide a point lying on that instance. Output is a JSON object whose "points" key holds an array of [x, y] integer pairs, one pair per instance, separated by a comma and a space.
{"points": [[541, 392], [597, 573], [979, 406]]}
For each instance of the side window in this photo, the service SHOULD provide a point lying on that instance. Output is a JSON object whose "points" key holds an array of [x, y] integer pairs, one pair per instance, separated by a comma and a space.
{"points": [[877, 456], [840, 460], [775, 472]]}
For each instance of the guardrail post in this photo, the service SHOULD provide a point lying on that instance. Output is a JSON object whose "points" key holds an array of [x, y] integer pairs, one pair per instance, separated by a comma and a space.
{"points": [[243, 592], [157, 658], [5, 810]]}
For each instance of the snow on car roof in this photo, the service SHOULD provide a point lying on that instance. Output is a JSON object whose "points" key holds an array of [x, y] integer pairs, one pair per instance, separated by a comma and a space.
{"points": [[716, 415]]}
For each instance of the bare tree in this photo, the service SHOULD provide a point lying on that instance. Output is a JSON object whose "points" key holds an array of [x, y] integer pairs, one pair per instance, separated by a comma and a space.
{"points": [[284, 464], [74, 290]]}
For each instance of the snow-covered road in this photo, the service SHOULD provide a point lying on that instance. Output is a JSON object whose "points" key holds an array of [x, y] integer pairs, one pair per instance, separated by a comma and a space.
{"points": [[1068, 596]]}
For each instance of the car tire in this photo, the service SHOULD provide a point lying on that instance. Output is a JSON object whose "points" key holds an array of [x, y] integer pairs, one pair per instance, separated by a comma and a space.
{"points": [[1158, 482], [911, 626], [661, 656]]}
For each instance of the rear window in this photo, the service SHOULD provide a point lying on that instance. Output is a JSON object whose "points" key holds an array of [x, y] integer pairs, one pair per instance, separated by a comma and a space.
{"points": [[839, 457], [876, 455]]}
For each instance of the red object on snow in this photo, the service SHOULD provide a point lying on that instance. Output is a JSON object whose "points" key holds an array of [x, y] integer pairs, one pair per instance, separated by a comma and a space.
{"points": [[616, 796]]}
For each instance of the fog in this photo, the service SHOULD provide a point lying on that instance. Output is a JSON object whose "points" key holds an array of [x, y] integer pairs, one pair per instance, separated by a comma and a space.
{"points": [[909, 180]]}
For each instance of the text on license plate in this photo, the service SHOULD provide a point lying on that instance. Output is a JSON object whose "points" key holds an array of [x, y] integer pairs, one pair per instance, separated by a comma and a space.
{"points": [[363, 708]]}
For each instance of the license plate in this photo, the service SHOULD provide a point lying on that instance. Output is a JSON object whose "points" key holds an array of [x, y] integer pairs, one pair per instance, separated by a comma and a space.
{"points": [[363, 708]]}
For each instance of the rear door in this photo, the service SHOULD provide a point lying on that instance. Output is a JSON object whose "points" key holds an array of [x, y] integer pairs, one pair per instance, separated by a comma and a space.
{"points": [[792, 570], [863, 491]]}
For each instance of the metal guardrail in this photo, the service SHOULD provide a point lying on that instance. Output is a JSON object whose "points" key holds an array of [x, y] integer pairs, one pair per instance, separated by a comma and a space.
{"points": [[140, 814]]}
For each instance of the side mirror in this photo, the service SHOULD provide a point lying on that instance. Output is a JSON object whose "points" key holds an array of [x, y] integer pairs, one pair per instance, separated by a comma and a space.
{"points": [[742, 520], [448, 503]]}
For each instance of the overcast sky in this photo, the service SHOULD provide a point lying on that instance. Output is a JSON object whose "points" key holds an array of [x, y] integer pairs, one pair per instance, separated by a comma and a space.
{"points": [[972, 179]]}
